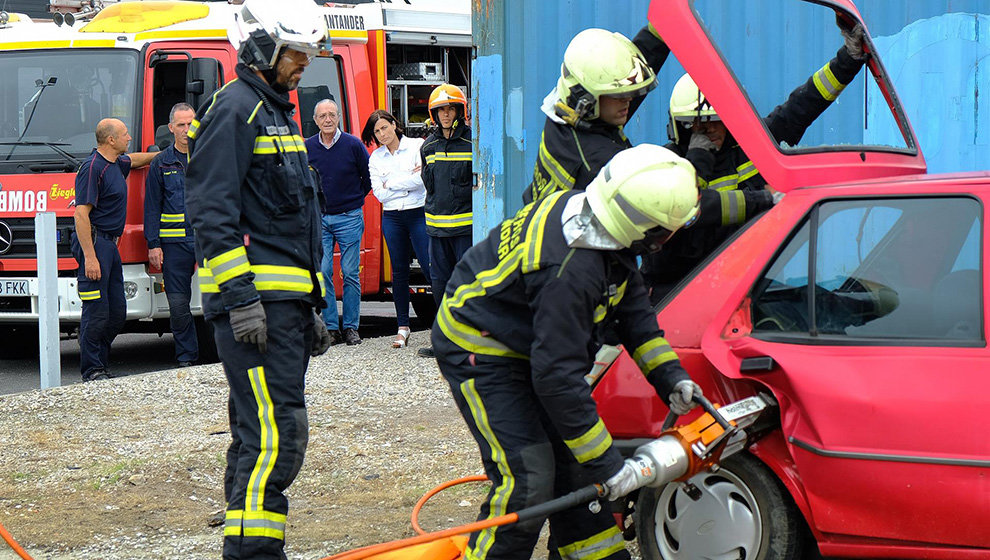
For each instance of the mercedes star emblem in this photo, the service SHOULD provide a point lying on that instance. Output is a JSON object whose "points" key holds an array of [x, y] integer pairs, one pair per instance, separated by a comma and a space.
{"points": [[6, 238]]}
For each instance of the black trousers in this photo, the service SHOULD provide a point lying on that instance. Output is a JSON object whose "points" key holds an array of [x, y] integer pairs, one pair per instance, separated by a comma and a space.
{"points": [[268, 426], [526, 460]]}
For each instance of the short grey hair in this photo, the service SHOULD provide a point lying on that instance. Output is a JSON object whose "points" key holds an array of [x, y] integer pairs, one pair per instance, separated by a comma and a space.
{"points": [[321, 102], [180, 106]]}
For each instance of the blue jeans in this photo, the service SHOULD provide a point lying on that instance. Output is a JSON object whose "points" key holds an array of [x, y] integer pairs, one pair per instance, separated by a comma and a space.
{"points": [[344, 229], [403, 228]]}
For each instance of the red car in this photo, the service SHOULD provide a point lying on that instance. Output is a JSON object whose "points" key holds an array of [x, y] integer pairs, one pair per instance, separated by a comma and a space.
{"points": [[857, 302]]}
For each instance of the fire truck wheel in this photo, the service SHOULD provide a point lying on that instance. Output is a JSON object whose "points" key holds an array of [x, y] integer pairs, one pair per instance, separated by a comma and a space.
{"points": [[19, 342], [743, 509], [207, 345]]}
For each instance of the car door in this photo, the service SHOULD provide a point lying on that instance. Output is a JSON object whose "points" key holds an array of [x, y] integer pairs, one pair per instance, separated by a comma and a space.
{"points": [[871, 314]]}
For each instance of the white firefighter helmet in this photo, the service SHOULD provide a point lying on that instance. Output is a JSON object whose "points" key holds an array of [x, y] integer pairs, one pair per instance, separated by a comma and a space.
{"points": [[596, 63], [687, 104], [261, 28], [644, 192]]}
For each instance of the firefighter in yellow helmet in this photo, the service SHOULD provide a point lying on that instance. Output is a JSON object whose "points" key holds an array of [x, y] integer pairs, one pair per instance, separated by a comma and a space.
{"points": [[603, 80], [733, 191], [520, 323], [448, 177]]}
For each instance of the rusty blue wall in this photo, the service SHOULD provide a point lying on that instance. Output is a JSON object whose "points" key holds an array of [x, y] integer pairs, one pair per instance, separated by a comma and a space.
{"points": [[935, 50]]}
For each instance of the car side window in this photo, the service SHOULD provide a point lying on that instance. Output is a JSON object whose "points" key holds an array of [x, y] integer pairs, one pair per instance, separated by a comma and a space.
{"points": [[891, 268]]}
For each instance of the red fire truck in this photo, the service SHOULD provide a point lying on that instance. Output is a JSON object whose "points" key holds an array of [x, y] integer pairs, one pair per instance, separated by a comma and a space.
{"points": [[133, 60]]}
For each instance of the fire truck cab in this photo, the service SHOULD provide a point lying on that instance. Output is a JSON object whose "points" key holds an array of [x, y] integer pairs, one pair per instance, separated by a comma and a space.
{"points": [[133, 61]]}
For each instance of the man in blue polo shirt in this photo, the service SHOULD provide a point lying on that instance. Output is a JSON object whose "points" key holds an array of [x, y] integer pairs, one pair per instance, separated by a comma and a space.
{"points": [[101, 209], [342, 162], [170, 237]]}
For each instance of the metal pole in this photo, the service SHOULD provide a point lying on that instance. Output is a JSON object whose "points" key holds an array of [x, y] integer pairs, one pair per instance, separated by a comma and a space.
{"points": [[48, 340]]}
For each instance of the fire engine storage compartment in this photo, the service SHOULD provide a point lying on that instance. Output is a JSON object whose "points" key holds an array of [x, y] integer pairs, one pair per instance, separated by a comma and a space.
{"points": [[427, 43]]}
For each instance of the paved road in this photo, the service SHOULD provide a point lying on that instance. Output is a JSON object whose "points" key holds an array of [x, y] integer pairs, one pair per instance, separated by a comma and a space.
{"points": [[141, 353]]}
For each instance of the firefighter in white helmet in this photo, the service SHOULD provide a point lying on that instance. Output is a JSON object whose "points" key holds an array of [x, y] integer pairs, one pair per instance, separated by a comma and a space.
{"points": [[520, 323], [603, 80], [733, 191], [252, 200]]}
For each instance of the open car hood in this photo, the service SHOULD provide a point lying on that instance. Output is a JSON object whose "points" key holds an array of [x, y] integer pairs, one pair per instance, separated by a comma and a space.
{"points": [[861, 153]]}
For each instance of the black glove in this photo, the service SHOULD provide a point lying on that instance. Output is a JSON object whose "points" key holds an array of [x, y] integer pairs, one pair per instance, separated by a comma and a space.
{"points": [[321, 338], [250, 325]]}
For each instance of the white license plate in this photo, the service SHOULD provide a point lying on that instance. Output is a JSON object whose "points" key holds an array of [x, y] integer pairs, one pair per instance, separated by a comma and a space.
{"points": [[14, 288]]}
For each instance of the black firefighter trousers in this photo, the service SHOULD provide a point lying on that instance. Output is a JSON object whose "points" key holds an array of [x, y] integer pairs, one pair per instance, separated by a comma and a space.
{"points": [[268, 426], [526, 460]]}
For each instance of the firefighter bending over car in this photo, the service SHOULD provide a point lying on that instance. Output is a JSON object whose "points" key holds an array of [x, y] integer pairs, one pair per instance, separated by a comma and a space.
{"points": [[733, 191], [519, 326], [252, 199], [603, 80]]}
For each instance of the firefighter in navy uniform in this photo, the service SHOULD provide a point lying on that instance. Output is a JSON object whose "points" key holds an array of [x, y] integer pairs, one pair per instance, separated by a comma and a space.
{"points": [[448, 177], [603, 81], [252, 200], [169, 235], [100, 216], [733, 191], [519, 326]]}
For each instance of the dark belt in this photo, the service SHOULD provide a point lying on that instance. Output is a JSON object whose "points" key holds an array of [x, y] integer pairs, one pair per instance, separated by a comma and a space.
{"points": [[112, 238]]}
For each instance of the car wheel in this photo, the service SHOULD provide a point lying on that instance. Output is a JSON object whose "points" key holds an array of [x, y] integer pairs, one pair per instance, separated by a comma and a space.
{"points": [[743, 513], [19, 342]]}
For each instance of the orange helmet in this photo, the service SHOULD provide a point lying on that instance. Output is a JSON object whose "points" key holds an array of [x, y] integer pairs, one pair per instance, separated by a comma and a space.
{"points": [[444, 95]]}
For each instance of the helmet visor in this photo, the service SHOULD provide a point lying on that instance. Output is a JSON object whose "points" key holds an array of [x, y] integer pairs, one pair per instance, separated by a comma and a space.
{"points": [[688, 121], [652, 240]]}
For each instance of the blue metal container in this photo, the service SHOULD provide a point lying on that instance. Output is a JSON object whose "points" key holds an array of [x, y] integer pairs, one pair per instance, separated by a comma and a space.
{"points": [[937, 52]]}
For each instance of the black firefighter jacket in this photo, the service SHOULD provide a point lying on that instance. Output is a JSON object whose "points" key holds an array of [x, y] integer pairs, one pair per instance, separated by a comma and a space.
{"points": [[569, 157], [252, 199], [448, 177], [523, 294], [732, 189]]}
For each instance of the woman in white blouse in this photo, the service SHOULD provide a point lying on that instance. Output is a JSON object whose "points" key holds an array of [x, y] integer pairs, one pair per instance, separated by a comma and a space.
{"points": [[398, 184]]}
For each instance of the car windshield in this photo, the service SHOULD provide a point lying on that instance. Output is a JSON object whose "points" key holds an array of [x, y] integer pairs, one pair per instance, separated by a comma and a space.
{"points": [[58, 97], [808, 38]]}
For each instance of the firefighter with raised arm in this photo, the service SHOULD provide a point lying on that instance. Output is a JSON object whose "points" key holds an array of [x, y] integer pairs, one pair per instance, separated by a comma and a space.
{"points": [[733, 191], [603, 80], [252, 199], [520, 323]]}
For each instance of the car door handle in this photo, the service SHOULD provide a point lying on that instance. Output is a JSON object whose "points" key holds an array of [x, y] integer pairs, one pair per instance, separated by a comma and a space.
{"points": [[756, 364]]}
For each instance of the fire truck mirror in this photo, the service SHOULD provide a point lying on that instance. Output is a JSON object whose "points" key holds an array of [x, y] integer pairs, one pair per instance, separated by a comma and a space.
{"points": [[202, 79]]}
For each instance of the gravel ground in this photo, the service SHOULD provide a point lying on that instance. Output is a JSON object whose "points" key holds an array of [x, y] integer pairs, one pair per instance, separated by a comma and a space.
{"points": [[133, 467]]}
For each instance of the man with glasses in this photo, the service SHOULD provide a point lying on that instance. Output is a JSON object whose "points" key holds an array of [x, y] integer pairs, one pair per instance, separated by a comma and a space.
{"points": [[342, 162], [603, 80]]}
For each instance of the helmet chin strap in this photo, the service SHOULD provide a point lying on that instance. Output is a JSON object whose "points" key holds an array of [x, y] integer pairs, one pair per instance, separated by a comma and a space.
{"points": [[582, 230]]}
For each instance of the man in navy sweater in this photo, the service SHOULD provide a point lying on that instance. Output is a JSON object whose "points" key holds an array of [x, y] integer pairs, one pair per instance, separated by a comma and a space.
{"points": [[342, 162]]}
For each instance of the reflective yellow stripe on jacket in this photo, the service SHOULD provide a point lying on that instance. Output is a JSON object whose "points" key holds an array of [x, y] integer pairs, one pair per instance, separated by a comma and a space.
{"points": [[271, 144], [602, 545], [448, 156], [827, 84], [172, 219], [267, 277], [653, 354], [591, 444], [448, 221], [525, 257]]}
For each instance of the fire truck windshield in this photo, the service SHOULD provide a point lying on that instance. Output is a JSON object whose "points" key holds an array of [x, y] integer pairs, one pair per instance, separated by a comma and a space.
{"points": [[56, 97]]}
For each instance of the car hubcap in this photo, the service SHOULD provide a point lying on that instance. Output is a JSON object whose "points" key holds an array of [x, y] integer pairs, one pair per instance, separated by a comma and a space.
{"points": [[724, 524]]}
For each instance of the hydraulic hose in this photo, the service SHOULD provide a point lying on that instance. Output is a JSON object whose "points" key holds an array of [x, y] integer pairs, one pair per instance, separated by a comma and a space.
{"points": [[426, 497], [7, 538], [567, 501]]}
